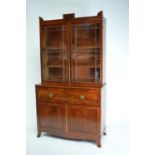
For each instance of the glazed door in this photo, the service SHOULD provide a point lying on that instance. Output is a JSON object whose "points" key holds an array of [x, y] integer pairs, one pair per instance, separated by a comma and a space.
{"points": [[82, 120], [85, 49], [52, 116], [55, 53]]}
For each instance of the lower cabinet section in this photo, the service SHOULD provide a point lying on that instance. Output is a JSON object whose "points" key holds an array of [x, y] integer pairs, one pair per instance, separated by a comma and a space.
{"points": [[69, 119]]}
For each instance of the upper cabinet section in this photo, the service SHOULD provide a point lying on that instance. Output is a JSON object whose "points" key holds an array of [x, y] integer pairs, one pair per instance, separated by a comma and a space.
{"points": [[71, 50]]}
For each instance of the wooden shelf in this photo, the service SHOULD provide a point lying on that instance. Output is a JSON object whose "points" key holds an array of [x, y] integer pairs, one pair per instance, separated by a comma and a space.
{"points": [[86, 66], [85, 80], [57, 66], [86, 48], [54, 77], [49, 48]]}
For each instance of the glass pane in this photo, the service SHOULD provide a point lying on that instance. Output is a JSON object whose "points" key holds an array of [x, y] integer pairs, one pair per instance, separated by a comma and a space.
{"points": [[55, 63], [85, 53], [85, 36]]}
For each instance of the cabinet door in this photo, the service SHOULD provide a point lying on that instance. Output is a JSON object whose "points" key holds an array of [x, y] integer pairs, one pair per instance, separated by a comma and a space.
{"points": [[54, 53], [86, 52], [52, 116], [83, 120]]}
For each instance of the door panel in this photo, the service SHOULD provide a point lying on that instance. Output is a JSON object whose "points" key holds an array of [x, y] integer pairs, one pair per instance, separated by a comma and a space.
{"points": [[82, 120], [52, 116], [85, 48], [54, 53]]}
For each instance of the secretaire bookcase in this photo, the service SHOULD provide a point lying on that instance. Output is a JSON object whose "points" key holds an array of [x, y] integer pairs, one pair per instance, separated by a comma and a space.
{"points": [[71, 99]]}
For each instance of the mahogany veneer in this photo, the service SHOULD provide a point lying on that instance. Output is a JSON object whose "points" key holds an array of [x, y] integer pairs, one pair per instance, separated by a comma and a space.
{"points": [[70, 100]]}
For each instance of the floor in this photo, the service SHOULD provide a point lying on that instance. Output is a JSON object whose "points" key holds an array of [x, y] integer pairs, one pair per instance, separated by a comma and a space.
{"points": [[115, 143]]}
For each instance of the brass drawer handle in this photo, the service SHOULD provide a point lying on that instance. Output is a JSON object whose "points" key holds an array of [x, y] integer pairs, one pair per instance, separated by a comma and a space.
{"points": [[82, 97], [50, 95]]}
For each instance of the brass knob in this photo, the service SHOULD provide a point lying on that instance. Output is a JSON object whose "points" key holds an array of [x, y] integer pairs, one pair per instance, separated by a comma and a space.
{"points": [[82, 97], [50, 95]]}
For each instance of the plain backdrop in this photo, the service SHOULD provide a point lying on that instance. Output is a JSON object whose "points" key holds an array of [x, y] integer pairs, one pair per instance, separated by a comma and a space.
{"points": [[116, 13], [141, 80]]}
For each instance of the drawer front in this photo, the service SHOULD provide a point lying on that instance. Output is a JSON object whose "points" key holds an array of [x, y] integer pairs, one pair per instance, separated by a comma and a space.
{"points": [[68, 95], [51, 95], [83, 96]]}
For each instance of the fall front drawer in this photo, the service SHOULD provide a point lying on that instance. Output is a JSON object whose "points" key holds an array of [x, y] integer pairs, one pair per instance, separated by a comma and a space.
{"points": [[68, 95]]}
